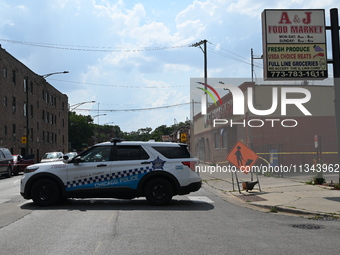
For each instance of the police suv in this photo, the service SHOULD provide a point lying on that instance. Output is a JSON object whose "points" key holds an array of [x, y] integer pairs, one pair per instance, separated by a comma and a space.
{"points": [[115, 169]]}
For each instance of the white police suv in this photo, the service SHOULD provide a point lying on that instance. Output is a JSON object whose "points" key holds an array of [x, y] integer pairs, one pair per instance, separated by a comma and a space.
{"points": [[116, 169]]}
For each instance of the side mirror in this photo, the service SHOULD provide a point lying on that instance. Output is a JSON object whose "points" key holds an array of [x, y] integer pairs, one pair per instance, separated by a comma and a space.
{"points": [[76, 160]]}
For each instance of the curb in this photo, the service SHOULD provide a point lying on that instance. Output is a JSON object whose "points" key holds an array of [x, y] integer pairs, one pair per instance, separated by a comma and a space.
{"points": [[234, 199]]}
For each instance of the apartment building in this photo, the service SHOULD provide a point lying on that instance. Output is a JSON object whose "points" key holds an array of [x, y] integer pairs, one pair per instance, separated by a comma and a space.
{"points": [[33, 114]]}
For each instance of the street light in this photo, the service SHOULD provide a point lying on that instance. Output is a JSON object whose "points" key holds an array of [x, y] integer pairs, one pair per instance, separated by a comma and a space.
{"points": [[49, 74], [94, 116], [79, 104]]}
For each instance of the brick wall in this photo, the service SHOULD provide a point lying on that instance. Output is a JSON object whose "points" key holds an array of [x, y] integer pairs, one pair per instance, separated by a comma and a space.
{"points": [[32, 109]]}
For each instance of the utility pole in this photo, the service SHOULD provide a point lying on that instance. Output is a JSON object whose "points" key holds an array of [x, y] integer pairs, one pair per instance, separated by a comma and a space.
{"points": [[252, 63], [336, 70], [204, 50]]}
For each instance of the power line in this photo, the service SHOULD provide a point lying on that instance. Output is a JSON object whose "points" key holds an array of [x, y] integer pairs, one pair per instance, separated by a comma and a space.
{"points": [[119, 86], [91, 48], [224, 53], [134, 110]]}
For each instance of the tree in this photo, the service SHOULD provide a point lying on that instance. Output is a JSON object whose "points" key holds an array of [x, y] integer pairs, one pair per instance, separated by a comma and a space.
{"points": [[80, 130], [159, 131], [142, 134]]}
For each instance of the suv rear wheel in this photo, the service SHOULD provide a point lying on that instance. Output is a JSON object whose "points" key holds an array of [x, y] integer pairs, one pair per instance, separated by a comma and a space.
{"points": [[45, 192], [158, 191]]}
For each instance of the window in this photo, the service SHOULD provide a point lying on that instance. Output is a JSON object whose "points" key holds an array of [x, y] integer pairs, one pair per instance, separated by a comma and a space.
{"points": [[13, 130], [31, 134], [131, 152], [5, 72], [224, 137], [31, 88], [217, 140], [5, 101], [25, 84], [5, 130], [97, 154], [32, 110], [173, 152], [14, 104], [25, 109], [14, 77]]}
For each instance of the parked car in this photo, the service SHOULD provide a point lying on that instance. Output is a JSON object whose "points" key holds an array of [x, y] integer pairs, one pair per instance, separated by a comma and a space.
{"points": [[116, 169], [6, 162], [20, 163], [52, 156], [70, 155]]}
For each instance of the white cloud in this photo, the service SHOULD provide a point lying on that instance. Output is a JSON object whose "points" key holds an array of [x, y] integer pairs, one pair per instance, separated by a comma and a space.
{"points": [[126, 28]]}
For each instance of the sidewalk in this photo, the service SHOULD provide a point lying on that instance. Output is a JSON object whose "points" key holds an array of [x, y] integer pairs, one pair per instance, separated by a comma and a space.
{"points": [[291, 195]]}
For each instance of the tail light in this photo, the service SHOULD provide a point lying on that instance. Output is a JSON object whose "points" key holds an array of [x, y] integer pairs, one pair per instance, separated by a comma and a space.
{"points": [[190, 164]]}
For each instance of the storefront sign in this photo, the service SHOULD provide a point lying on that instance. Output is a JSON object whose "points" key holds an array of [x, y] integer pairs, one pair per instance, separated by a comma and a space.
{"points": [[294, 44]]}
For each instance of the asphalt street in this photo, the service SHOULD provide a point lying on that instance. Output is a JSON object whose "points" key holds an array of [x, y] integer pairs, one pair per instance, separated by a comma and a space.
{"points": [[203, 222]]}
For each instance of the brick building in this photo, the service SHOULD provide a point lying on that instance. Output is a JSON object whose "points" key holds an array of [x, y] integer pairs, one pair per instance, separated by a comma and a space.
{"points": [[290, 138], [33, 114]]}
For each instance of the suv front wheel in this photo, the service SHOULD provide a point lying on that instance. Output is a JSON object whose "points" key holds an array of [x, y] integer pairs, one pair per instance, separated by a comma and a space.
{"points": [[158, 191], [45, 192]]}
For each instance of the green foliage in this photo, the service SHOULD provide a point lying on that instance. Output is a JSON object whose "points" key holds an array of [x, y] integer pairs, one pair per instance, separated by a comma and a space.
{"points": [[83, 132], [80, 130], [273, 209], [159, 131]]}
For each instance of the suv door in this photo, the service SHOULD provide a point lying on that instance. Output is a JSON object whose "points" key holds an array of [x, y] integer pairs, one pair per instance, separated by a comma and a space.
{"points": [[90, 170], [131, 163]]}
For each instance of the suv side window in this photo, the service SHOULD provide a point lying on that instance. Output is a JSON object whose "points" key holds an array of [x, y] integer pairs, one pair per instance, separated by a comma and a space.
{"points": [[131, 152], [172, 152], [97, 154]]}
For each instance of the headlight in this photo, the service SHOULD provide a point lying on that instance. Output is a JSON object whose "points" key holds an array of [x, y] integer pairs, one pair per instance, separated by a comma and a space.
{"points": [[31, 169]]}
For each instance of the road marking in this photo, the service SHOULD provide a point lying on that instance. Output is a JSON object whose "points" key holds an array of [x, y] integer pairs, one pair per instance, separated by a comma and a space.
{"points": [[3, 201], [25, 202], [16, 181], [200, 199]]}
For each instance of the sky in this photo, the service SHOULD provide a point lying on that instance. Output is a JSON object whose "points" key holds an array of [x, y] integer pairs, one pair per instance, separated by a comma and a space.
{"points": [[135, 58]]}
